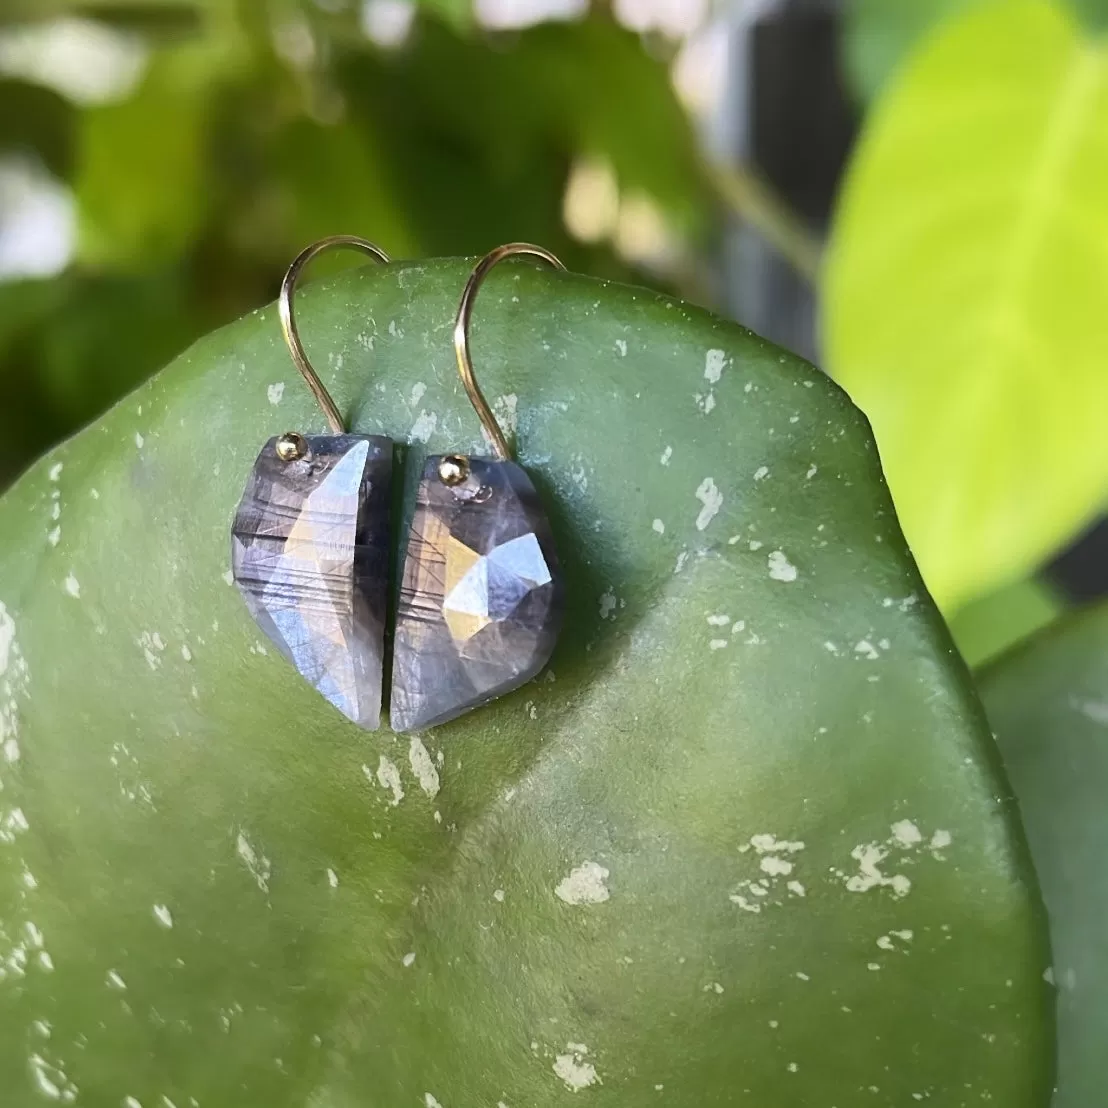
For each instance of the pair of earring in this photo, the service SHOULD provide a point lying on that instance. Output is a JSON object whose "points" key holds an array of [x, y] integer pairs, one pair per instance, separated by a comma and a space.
{"points": [[481, 596]]}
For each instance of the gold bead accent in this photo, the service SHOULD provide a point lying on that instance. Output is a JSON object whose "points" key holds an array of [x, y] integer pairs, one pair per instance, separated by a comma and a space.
{"points": [[291, 446], [453, 470]]}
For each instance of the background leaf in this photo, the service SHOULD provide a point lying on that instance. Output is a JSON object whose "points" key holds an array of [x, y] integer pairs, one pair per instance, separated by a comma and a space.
{"points": [[1048, 702], [963, 305], [992, 624], [749, 664], [143, 185]]}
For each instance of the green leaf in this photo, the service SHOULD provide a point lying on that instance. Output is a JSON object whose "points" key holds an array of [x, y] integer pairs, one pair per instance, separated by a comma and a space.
{"points": [[749, 663], [879, 34], [38, 122], [505, 146], [991, 624], [964, 297], [1048, 702], [142, 187]]}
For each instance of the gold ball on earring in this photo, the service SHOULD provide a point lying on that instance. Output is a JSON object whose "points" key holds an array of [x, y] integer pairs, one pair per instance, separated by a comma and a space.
{"points": [[453, 470], [290, 446]]}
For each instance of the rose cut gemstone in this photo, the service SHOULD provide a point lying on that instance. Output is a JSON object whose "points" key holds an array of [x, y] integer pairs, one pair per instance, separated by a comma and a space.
{"points": [[481, 600], [310, 555]]}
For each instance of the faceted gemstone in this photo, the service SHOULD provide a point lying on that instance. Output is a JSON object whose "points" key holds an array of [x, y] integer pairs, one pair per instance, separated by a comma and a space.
{"points": [[310, 555], [481, 599]]}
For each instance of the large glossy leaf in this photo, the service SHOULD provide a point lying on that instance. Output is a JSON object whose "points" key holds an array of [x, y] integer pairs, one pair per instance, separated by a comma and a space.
{"points": [[747, 838], [1048, 702], [964, 292]]}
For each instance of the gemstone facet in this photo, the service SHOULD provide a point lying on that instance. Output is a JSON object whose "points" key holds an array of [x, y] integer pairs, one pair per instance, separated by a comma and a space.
{"points": [[310, 555], [481, 600]]}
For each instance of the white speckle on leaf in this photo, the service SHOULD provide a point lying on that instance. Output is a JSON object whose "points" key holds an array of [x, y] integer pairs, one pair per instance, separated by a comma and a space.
{"points": [[621, 346], [796, 888], [73, 587], [163, 915], [228, 578], [7, 638], [114, 981], [761, 473], [867, 650], [54, 536], [659, 527], [332, 878], [667, 454], [869, 857], [424, 427], [780, 568], [941, 840], [417, 393], [408, 959], [812, 471], [140, 442], [506, 410], [388, 777], [584, 885], [711, 499], [714, 364], [706, 402], [770, 844], [498, 895], [256, 862], [775, 866], [430, 1102], [275, 393], [186, 652], [718, 621], [574, 1069], [608, 605], [423, 767], [56, 471], [50, 1080], [717, 644], [714, 987], [906, 833], [1094, 710]]}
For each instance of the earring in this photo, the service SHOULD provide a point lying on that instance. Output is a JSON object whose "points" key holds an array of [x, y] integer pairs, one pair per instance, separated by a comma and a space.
{"points": [[481, 599], [310, 541]]}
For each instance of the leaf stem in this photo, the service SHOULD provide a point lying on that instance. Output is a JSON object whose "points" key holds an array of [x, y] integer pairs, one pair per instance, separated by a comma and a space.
{"points": [[755, 202]]}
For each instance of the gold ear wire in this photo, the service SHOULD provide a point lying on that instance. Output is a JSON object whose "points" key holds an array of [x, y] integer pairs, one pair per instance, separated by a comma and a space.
{"points": [[461, 335], [288, 319]]}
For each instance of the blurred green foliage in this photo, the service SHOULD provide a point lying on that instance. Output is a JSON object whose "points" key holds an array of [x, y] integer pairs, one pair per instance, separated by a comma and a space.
{"points": [[259, 125]]}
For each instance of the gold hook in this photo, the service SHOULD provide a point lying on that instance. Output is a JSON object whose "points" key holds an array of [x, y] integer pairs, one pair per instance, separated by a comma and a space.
{"points": [[288, 320], [461, 335]]}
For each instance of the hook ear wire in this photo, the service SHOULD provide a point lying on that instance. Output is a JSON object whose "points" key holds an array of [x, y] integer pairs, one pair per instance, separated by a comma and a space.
{"points": [[461, 335], [288, 319]]}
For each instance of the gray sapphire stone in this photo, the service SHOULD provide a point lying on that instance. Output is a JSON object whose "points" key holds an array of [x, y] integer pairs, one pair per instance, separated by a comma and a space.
{"points": [[481, 600], [310, 554]]}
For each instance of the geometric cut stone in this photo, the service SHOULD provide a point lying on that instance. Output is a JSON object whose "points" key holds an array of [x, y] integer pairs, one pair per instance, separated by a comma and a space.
{"points": [[481, 599], [310, 555]]}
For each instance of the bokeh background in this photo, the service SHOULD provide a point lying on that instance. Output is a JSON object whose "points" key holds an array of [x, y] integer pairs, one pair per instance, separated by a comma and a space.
{"points": [[161, 161]]}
